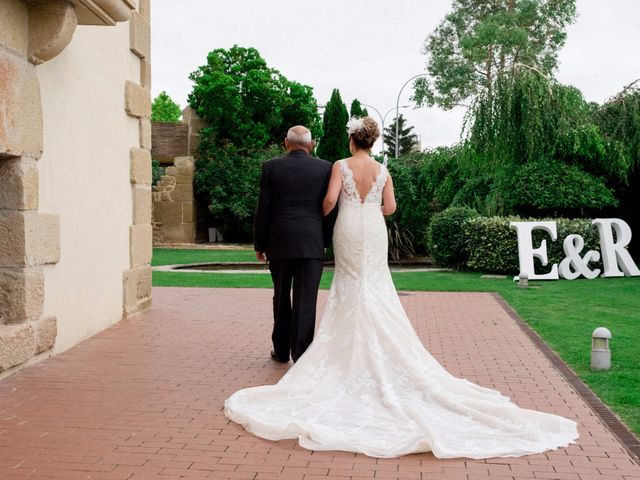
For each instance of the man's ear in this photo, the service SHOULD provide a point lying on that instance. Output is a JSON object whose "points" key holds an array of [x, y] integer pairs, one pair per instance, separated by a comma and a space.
{"points": [[312, 145], [286, 144]]}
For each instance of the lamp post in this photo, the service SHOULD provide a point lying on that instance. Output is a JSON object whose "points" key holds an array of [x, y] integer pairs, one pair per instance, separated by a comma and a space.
{"points": [[382, 119], [398, 107]]}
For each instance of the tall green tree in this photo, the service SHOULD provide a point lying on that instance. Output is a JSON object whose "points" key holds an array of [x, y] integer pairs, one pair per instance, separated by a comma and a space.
{"points": [[480, 40], [249, 107], [407, 141], [247, 103], [334, 143], [356, 110], [164, 109]]}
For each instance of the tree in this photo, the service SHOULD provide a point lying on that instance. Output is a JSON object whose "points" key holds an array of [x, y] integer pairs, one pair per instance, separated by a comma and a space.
{"points": [[300, 108], [248, 107], [247, 103], [536, 143], [408, 141], [164, 109], [619, 121], [334, 143], [356, 110], [478, 41]]}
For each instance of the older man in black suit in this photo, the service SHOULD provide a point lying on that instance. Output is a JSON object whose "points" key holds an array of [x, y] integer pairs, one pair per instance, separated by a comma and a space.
{"points": [[291, 234]]}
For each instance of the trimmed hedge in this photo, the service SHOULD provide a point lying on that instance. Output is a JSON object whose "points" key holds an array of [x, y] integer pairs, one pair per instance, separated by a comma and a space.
{"points": [[446, 238], [492, 245]]}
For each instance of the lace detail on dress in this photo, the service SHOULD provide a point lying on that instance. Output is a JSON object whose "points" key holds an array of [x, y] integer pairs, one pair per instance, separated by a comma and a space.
{"points": [[350, 192]]}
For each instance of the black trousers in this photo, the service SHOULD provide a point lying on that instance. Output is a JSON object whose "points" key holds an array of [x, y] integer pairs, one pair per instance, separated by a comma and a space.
{"points": [[294, 318]]}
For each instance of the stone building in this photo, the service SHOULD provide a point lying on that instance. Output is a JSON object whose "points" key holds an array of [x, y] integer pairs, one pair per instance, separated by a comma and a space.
{"points": [[75, 171]]}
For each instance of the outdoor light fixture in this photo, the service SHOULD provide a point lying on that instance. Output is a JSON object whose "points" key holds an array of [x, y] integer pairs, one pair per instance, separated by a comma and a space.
{"points": [[600, 353]]}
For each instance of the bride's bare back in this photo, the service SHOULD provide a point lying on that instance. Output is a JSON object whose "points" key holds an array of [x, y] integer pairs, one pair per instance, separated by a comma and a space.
{"points": [[365, 172]]}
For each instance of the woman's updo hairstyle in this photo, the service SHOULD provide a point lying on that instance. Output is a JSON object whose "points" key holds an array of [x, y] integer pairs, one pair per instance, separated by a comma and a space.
{"points": [[363, 131]]}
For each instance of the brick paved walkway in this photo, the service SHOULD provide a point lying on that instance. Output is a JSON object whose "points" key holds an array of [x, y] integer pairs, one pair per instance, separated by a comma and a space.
{"points": [[144, 398]]}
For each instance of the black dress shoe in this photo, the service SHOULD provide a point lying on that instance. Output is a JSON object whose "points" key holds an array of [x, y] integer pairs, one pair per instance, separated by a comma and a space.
{"points": [[277, 358]]}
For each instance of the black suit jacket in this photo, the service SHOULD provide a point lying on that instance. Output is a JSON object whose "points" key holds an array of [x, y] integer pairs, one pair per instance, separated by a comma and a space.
{"points": [[289, 221]]}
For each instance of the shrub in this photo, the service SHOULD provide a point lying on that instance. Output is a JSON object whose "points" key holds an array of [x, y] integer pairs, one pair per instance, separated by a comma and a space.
{"points": [[157, 171], [424, 184], [409, 213], [549, 187], [493, 246], [445, 236], [230, 180]]}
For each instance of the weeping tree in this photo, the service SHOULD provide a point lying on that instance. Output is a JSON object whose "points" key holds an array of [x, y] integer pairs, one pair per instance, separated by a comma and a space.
{"points": [[478, 41], [536, 146], [619, 122]]}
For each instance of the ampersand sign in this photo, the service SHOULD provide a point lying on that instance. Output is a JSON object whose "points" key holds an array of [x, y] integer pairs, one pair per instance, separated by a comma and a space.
{"points": [[574, 265]]}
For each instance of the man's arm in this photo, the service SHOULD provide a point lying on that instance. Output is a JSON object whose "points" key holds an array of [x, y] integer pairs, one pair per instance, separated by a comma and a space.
{"points": [[263, 216]]}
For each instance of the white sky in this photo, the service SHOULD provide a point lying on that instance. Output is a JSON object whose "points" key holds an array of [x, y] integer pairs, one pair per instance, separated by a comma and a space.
{"points": [[369, 48]]}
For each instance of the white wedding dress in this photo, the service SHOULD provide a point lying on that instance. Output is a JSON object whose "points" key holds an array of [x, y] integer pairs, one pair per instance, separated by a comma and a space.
{"points": [[367, 384]]}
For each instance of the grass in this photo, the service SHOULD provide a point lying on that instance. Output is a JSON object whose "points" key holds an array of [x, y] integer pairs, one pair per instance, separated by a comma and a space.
{"points": [[563, 313], [173, 256]]}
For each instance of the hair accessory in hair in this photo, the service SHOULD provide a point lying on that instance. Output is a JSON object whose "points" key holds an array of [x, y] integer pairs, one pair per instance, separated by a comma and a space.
{"points": [[355, 125]]}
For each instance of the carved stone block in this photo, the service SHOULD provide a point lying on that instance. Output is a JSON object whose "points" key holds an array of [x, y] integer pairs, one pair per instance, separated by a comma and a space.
{"points": [[21, 294], [188, 213], [145, 133], [137, 289], [142, 204], [21, 119], [178, 232], [167, 212], [140, 166], [140, 36], [141, 238], [28, 238], [14, 32], [19, 185], [51, 27], [182, 193], [137, 100], [145, 74], [144, 8], [17, 345], [46, 331]]}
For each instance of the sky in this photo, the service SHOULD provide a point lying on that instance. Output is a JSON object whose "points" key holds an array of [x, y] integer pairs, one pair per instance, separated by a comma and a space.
{"points": [[369, 48]]}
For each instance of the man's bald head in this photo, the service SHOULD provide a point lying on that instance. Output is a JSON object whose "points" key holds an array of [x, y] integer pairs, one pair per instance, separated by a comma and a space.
{"points": [[298, 137]]}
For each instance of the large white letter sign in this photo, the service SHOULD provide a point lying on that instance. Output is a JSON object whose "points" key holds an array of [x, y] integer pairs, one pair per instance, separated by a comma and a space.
{"points": [[526, 252], [573, 264], [614, 253]]}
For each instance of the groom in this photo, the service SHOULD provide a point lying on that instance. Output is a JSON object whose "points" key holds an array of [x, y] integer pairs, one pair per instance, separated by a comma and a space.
{"points": [[291, 234]]}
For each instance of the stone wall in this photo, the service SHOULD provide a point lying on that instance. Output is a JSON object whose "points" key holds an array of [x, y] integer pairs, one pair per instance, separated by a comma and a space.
{"points": [[32, 34], [173, 204], [169, 140], [137, 279]]}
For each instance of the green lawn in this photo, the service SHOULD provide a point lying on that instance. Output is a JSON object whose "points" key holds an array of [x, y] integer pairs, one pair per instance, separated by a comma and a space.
{"points": [[563, 313], [174, 256]]}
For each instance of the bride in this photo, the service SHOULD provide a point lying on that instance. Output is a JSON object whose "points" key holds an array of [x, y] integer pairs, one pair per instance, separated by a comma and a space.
{"points": [[367, 384]]}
